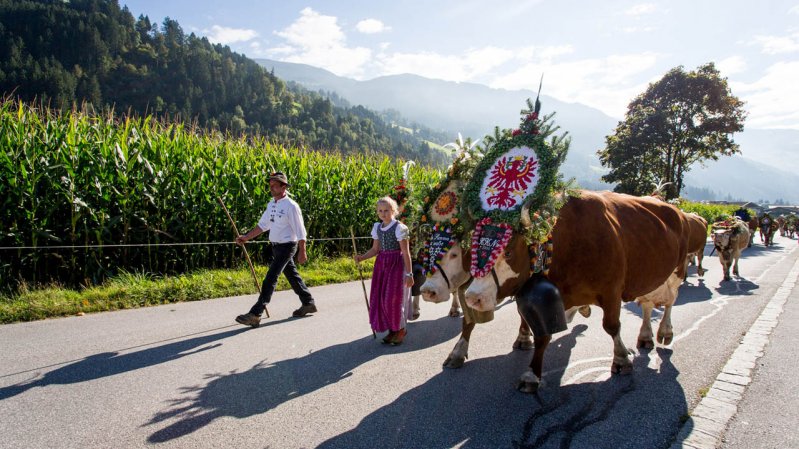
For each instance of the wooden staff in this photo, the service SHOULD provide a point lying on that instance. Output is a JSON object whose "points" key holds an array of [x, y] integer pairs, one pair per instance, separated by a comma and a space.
{"points": [[246, 254], [360, 273]]}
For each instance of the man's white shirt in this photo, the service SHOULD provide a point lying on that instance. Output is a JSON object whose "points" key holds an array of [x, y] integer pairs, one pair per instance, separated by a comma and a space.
{"points": [[283, 220]]}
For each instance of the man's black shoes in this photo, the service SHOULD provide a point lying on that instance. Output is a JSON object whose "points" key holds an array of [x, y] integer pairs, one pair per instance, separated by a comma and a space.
{"points": [[304, 310]]}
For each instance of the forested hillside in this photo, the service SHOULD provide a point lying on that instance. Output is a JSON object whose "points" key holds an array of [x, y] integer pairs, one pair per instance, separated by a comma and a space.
{"points": [[93, 51]]}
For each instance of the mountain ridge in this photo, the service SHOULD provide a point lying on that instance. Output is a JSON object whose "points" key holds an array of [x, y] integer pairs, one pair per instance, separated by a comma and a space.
{"points": [[765, 162]]}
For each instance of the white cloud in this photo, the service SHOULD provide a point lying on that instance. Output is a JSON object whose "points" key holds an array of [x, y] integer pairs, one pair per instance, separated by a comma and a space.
{"points": [[224, 35], [771, 100], [794, 10], [472, 64], [641, 9], [318, 40], [371, 26], [607, 84], [638, 29], [773, 45], [731, 66]]}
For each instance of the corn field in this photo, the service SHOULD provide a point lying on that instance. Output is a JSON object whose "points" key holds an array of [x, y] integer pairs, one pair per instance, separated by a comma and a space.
{"points": [[86, 196]]}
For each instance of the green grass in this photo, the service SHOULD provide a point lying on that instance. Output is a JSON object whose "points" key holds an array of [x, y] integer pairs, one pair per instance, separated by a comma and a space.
{"points": [[133, 290]]}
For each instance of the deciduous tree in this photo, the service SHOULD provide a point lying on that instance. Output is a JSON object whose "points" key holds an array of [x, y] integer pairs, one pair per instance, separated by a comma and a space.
{"points": [[684, 118]]}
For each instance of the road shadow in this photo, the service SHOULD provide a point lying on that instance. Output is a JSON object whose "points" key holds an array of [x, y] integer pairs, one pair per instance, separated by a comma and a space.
{"points": [[268, 385], [478, 407], [737, 286], [112, 363]]}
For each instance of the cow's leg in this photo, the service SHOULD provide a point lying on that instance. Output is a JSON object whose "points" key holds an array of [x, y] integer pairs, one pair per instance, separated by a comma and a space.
{"points": [[416, 310], [610, 322], [699, 270], [455, 308], [726, 267], [460, 352], [645, 335], [523, 340], [665, 331], [584, 311], [531, 379], [735, 268]]}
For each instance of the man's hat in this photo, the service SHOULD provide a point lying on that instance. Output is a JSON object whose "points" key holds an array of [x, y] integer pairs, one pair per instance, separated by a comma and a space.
{"points": [[280, 177]]}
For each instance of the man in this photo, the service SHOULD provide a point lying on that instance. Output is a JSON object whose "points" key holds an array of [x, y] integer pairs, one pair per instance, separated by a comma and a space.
{"points": [[283, 220]]}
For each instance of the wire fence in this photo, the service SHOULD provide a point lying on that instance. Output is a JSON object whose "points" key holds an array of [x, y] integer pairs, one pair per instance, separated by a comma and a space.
{"points": [[155, 245]]}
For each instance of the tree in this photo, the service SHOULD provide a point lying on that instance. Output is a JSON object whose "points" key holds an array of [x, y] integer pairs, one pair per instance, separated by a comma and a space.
{"points": [[681, 119]]}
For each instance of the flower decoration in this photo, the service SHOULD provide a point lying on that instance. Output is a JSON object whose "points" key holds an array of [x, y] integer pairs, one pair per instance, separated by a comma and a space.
{"points": [[520, 167], [446, 203], [439, 242], [488, 242]]}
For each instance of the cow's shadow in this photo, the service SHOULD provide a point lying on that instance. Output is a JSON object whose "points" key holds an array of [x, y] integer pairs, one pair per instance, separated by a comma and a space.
{"points": [[477, 407], [268, 385], [737, 286], [106, 364]]}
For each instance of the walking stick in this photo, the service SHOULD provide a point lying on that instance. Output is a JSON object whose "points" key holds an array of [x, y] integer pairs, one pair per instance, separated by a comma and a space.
{"points": [[246, 254], [360, 273]]}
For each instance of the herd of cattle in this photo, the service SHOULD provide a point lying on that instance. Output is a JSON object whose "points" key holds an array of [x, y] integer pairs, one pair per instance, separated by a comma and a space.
{"points": [[608, 248]]}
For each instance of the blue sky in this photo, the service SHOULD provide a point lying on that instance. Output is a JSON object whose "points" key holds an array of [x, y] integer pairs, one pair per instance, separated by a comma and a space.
{"points": [[601, 54]]}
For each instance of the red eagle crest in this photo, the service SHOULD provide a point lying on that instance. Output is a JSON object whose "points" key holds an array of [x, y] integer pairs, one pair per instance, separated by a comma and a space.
{"points": [[509, 180]]}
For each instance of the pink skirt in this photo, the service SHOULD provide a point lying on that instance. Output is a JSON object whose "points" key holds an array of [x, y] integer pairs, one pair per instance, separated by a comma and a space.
{"points": [[389, 301]]}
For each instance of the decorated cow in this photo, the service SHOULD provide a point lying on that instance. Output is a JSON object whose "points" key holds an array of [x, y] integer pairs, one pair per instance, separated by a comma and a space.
{"points": [[443, 230], [768, 226], [730, 237], [562, 252]]}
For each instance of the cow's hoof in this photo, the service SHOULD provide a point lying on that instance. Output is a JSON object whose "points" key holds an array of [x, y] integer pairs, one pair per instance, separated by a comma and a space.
{"points": [[585, 311], [529, 382], [454, 362], [646, 343], [524, 345], [665, 339], [700, 272], [624, 370], [455, 313], [415, 316], [528, 387]]}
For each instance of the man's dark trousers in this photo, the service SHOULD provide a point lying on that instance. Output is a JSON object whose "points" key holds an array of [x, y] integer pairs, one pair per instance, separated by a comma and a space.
{"points": [[282, 262]]}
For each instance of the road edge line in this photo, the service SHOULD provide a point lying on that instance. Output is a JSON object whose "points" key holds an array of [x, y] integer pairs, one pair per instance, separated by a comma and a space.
{"points": [[711, 416]]}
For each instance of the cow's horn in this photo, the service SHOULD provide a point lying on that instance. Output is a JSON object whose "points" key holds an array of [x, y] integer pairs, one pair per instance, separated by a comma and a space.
{"points": [[525, 218]]}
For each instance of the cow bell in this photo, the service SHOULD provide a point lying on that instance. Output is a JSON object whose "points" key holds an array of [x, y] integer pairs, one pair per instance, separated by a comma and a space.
{"points": [[541, 305]]}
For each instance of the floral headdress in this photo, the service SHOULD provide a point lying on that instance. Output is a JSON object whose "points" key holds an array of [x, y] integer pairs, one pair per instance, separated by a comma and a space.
{"points": [[518, 174]]}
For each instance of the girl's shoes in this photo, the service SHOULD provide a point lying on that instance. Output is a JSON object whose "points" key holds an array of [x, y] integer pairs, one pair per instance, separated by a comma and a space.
{"points": [[390, 336], [398, 337]]}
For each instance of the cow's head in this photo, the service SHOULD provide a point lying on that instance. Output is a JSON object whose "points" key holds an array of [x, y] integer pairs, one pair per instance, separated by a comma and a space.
{"points": [[510, 271], [451, 273], [721, 240]]}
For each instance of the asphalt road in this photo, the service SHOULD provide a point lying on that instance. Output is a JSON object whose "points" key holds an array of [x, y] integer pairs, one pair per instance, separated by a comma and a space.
{"points": [[185, 375]]}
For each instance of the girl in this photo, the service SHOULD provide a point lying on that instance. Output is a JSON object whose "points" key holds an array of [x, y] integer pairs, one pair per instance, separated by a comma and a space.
{"points": [[392, 278]]}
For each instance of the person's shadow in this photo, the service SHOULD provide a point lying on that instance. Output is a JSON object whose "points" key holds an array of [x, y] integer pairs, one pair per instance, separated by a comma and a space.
{"points": [[477, 407], [111, 363], [268, 385]]}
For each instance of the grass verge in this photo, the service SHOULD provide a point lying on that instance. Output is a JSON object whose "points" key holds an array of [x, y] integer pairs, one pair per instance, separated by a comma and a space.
{"points": [[130, 291]]}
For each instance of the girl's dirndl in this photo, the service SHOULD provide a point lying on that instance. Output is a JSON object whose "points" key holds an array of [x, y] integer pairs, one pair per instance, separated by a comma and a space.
{"points": [[390, 300]]}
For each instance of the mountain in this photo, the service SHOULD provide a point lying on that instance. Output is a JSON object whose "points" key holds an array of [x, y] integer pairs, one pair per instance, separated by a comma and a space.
{"points": [[765, 170], [95, 53]]}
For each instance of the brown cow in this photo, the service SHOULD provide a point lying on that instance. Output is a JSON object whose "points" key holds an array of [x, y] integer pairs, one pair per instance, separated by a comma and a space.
{"points": [[767, 227], [753, 225], [730, 239], [697, 238], [631, 247]]}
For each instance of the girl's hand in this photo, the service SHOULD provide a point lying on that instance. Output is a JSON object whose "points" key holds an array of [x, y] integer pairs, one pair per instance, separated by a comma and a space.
{"points": [[409, 281], [357, 258]]}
